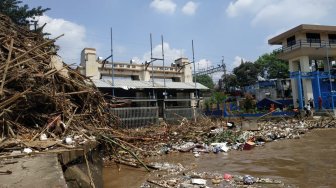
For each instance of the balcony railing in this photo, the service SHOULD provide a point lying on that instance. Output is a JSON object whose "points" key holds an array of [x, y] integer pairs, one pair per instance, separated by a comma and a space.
{"points": [[313, 74], [307, 43]]}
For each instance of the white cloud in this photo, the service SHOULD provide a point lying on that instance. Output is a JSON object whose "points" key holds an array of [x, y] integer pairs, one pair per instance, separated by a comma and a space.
{"points": [[163, 6], [170, 55], [190, 8], [73, 40], [245, 6], [205, 64], [288, 12], [282, 12], [236, 62]]}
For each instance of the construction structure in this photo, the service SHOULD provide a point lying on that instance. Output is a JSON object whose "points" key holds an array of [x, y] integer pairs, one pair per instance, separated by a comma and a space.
{"points": [[272, 89], [154, 91], [310, 51]]}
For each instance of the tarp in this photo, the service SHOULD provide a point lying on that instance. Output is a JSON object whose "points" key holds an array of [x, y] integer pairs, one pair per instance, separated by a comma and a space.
{"points": [[266, 104]]}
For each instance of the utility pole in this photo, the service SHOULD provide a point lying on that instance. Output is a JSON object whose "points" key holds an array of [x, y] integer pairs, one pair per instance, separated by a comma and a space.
{"points": [[164, 69], [193, 61], [151, 46], [112, 63], [152, 62], [224, 69]]}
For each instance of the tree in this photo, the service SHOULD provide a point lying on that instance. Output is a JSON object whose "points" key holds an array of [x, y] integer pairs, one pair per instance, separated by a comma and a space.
{"points": [[205, 80], [229, 82], [272, 67], [246, 73], [20, 14]]}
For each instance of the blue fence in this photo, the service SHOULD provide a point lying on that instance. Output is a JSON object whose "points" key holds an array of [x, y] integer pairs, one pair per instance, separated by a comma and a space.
{"points": [[219, 113], [321, 85]]}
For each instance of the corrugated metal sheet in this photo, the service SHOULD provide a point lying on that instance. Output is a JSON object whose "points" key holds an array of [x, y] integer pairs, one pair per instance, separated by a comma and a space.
{"points": [[101, 84], [136, 84]]}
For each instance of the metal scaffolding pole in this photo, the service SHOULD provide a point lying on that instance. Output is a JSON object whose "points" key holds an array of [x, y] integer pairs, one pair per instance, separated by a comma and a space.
{"points": [[151, 61], [193, 61], [112, 63]]}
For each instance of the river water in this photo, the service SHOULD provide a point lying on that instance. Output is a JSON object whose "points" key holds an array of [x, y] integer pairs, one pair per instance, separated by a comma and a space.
{"points": [[306, 162]]}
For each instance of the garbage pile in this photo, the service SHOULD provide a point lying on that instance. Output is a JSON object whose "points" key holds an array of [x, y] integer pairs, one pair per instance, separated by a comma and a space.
{"points": [[43, 102], [192, 179], [215, 136]]}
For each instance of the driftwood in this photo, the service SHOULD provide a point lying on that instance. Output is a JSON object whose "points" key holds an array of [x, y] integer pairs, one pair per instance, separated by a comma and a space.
{"points": [[33, 91], [107, 139], [119, 161], [88, 169], [40, 94], [157, 183]]}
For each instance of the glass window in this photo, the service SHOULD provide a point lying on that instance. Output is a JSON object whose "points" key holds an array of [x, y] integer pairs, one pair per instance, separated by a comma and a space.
{"points": [[313, 37], [291, 41], [332, 38]]}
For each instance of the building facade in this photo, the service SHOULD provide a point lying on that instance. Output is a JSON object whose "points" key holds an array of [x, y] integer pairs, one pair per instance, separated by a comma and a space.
{"points": [[310, 51], [92, 66], [165, 91]]}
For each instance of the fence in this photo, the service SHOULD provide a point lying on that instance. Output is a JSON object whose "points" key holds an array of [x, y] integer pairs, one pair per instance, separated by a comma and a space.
{"points": [[173, 115], [132, 117]]}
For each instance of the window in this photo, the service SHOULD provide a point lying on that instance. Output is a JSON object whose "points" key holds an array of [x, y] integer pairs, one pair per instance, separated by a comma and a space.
{"points": [[332, 38], [291, 41], [313, 37]]}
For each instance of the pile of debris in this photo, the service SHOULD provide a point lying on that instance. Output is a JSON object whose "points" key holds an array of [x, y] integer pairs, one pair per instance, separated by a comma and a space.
{"points": [[214, 136], [192, 179], [42, 98]]}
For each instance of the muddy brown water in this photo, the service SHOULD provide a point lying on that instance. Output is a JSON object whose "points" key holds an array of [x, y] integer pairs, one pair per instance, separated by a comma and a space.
{"points": [[306, 162]]}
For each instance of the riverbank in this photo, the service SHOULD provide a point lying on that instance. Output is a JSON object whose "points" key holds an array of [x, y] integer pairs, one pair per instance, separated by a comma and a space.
{"points": [[305, 162], [214, 135], [207, 139]]}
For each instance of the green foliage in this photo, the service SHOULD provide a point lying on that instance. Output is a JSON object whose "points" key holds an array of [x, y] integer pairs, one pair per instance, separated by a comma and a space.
{"points": [[216, 98], [205, 80], [225, 136], [230, 81], [219, 97], [267, 66], [20, 14], [249, 103], [246, 73], [208, 102], [272, 67]]}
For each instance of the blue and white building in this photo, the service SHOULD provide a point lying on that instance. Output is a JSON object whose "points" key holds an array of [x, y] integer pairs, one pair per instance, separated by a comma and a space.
{"points": [[310, 51]]}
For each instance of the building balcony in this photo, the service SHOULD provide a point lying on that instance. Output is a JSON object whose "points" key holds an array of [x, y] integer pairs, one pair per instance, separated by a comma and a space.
{"points": [[312, 47]]}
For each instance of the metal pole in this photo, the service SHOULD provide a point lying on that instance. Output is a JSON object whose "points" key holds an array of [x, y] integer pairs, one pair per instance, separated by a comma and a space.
{"points": [[331, 88], [151, 45], [164, 69], [224, 67], [193, 53], [112, 63], [192, 46]]}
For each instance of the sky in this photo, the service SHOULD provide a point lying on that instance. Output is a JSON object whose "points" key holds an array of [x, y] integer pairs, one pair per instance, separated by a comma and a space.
{"points": [[220, 29]]}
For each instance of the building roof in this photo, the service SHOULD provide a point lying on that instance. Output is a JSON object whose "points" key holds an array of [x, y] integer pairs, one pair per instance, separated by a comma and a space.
{"points": [[137, 84], [303, 27]]}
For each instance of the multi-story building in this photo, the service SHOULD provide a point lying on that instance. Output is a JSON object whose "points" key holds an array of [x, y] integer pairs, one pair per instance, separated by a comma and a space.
{"points": [[170, 88], [176, 80], [310, 51]]}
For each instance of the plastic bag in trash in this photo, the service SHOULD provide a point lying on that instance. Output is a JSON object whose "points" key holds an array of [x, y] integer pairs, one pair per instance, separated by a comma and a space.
{"points": [[227, 177], [248, 180]]}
